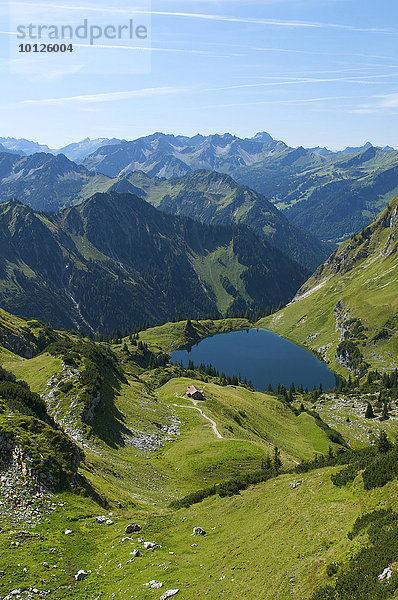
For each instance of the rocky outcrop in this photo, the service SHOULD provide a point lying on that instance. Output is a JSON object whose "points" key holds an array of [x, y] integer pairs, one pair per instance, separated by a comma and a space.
{"points": [[22, 496], [17, 459], [88, 414], [169, 594], [392, 223], [132, 528], [24, 337], [342, 314]]}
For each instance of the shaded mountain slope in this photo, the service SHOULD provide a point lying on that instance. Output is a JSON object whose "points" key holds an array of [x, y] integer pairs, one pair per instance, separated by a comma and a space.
{"points": [[215, 198], [115, 261], [49, 183]]}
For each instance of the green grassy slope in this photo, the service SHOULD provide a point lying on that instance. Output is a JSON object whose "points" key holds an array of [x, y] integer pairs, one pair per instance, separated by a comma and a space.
{"points": [[359, 282], [124, 439], [255, 417], [146, 445], [270, 542]]}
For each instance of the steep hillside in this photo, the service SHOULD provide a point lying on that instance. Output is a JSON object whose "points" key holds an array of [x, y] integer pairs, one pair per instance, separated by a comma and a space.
{"points": [[348, 310], [115, 261], [216, 199], [26, 337]]}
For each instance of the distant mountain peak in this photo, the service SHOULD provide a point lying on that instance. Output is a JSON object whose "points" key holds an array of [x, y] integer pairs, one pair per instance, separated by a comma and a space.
{"points": [[263, 136]]}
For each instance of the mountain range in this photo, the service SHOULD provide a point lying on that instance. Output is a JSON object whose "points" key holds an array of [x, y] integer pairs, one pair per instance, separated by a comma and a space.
{"points": [[50, 183], [215, 198], [46, 182], [330, 194], [115, 261], [76, 151], [333, 195]]}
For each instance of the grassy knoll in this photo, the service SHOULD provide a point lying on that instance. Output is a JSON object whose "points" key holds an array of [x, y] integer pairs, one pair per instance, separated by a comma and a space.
{"points": [[129, 458], [254, 416], [35, 371]]}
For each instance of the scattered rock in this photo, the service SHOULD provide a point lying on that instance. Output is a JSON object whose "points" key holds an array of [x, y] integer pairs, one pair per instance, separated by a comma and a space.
{"points": [[132, 528], [68, 531], [385, 575], [151, 442], [101, 519], [151, 546], [154, 584], [295, 484], [81, 575], [168, 594], [198, 531], [135, 553]]}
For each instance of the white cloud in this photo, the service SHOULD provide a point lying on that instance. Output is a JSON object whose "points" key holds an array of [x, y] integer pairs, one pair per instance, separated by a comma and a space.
{"points": [[106, 96], [389, 101], [205, 16], [363, 79], [293, 101]]}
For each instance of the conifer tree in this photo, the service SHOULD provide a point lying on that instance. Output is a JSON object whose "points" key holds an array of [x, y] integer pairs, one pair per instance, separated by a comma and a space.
{"points": [[277, 462]]}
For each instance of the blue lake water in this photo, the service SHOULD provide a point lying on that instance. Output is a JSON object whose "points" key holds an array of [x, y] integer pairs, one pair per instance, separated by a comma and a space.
{"points": [[259, 355]]}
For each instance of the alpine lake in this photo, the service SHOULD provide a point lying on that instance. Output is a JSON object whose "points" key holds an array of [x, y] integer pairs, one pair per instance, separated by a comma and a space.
{"points": [[261, 356]]}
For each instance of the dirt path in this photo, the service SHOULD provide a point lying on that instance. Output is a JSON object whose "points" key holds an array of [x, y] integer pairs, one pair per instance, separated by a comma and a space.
{"points": [[213, 423]]}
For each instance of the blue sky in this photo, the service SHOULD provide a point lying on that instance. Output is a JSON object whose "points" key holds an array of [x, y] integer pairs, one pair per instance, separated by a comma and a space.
{"points": [[310, 72]]}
